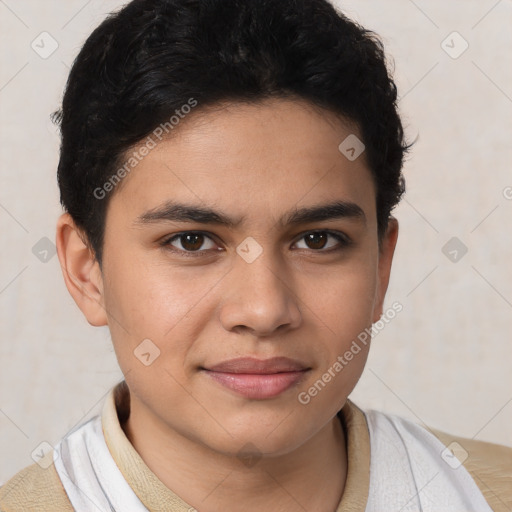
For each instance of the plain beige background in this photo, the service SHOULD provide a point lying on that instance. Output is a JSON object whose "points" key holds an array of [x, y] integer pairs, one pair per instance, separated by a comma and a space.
{"points": [[445, 360]]}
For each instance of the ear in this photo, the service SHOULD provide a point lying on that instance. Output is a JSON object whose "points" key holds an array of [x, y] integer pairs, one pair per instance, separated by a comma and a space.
{"points": [[386, 251], [81, 270]]}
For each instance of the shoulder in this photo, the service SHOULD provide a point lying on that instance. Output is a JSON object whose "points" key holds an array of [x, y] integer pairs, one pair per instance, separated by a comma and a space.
{"points": [[33, 489], [489, 464]]}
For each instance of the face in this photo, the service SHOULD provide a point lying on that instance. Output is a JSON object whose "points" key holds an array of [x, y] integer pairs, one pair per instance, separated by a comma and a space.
{"points": [[250, 266]]}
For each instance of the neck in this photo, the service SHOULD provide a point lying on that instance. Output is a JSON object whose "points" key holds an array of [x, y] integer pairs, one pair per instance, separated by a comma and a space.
{"points": [[213, 481]]}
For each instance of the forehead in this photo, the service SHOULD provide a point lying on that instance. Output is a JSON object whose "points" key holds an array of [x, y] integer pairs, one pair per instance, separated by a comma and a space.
{"points": [[250, 160]]}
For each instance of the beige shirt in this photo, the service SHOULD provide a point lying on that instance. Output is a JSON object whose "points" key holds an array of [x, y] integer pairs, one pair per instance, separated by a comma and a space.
{"points": [[38, 489]]}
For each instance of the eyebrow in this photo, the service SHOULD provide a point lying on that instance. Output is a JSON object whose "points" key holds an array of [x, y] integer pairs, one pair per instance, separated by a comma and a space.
{"points": [[171, 211]]}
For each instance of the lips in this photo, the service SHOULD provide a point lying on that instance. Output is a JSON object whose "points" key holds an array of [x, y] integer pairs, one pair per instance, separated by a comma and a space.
{"points": [[258, 379], [259, 366]]}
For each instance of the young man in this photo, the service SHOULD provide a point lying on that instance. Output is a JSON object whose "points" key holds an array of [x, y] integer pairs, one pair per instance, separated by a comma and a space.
{"points": [[228, 171]]}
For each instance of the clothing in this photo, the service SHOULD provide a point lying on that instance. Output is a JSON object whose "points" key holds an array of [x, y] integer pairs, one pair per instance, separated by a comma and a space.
{"points": [[393, 465]]}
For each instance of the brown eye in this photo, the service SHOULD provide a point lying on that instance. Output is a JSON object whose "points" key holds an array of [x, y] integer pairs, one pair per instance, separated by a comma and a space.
{"points": [[316, 240], [319, 241], [190, 242]]}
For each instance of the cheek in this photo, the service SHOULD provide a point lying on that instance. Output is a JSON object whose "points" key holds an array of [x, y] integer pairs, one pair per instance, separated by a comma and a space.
{"points": [[150, 298], [345, 312], [145, 301], [165, 304], [343, 299]]}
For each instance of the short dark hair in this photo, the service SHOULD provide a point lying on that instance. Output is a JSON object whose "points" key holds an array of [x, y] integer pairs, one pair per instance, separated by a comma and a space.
{"points": [[146, 61]]}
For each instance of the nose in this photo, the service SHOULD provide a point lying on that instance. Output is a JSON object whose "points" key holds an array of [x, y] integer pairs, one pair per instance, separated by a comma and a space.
{"points": [[260, 298]]}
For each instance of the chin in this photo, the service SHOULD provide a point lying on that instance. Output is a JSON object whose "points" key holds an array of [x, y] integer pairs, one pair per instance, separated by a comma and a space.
{"points": [[255, 444], [265, 434]]}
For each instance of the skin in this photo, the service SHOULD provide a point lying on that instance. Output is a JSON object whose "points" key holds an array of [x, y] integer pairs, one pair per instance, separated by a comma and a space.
{"points": [[298, 299]]}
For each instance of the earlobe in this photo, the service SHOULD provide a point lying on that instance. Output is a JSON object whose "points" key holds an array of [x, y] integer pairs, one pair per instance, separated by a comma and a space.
{"points": [[81, 271], [386, 251]]}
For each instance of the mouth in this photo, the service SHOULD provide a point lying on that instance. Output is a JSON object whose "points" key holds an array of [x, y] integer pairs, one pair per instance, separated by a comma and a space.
{"points": [[258, 379]]}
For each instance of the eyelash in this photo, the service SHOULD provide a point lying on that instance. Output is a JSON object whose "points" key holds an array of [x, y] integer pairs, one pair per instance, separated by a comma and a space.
{"points": [[343, 240]]}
